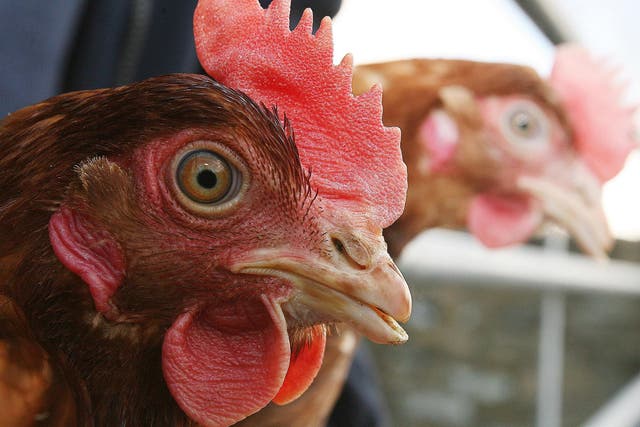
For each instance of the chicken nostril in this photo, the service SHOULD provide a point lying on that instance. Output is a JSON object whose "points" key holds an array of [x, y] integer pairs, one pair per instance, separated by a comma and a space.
{"points": [[337, 243], [352, 251]]}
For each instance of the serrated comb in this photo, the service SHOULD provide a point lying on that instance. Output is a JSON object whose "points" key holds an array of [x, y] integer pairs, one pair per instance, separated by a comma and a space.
{"points": [[355, 161], [591, 95]]}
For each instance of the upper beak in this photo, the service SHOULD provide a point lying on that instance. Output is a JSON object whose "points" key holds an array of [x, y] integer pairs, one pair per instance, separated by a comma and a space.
{"points": [[357, 283], [576, 207]]}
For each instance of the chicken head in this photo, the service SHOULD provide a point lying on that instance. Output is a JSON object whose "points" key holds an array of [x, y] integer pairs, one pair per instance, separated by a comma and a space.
{"points": [[190, 241], [499, 150]]}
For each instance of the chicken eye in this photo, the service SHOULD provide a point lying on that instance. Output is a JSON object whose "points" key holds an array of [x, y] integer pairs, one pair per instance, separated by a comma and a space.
{"points": [[524, 124], [207, 178]]}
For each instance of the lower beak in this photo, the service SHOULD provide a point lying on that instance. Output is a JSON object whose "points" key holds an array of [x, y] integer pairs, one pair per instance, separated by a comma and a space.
{"points": [[580, 212], [369, 298]]}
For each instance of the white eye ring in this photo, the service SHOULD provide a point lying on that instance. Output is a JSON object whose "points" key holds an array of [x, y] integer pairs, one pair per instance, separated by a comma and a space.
{"points": [[525, 125]]}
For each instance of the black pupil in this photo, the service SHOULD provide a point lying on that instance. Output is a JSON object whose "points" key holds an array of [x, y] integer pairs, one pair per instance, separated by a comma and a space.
{"points": [[207, 179], [523, 122]]}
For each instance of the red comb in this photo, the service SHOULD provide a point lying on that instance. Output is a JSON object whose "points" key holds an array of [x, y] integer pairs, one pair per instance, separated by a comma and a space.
{"points": [[355, 160], [604, 131]]}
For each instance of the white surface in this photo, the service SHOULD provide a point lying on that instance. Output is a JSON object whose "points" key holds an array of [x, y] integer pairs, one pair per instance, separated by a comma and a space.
{"points": [[444, 257], [488, 30]]}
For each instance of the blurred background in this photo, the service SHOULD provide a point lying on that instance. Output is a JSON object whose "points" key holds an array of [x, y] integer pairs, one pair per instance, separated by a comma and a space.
{"points": [[538, 335]]}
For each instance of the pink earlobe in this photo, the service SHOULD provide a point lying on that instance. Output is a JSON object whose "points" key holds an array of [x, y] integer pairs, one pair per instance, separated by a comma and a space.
{"points": [[89, 252], [438, 135]]}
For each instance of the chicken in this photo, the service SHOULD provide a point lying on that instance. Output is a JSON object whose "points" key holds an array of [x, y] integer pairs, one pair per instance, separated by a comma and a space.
{"points": [[499, 150], [172, 253]]}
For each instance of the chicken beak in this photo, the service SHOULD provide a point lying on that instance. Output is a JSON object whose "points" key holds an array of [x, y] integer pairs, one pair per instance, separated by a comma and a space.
{"points": [[354, 283], [579, 211]]}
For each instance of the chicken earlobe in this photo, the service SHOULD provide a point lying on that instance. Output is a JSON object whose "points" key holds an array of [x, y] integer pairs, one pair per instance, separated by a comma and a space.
{"points": [[84, 247], [91, 253]]}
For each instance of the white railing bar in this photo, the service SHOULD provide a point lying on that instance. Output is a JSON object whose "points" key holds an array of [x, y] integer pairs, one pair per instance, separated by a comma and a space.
{"points": [[446, 257], [549, 399], [550, 360], [623, 410]]}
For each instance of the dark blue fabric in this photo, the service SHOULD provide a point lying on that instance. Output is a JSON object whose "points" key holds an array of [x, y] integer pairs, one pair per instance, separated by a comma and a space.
{"points": [[35, 39], [361, 403], [321, 8], [177, 48], [167, 45], [98, 42]]}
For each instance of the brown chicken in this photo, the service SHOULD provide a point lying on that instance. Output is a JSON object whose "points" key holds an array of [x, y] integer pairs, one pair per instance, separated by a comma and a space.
{"points": [[499, 150], [172, 254]]}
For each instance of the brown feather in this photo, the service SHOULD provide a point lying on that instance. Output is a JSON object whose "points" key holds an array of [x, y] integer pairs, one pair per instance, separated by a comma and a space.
{"points": [[33, 387]]}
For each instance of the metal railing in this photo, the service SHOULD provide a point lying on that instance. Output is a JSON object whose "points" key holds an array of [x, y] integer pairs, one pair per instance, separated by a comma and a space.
{"points": [[443, 256]]}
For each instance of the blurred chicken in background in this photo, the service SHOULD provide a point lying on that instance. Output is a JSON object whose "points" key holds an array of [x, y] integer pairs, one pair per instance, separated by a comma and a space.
{"points": [[499, 150]]}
